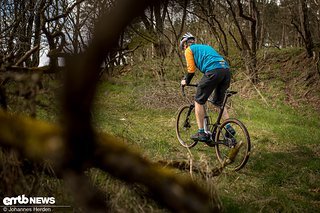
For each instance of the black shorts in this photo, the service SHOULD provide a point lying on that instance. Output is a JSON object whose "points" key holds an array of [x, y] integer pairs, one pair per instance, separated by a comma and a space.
{"points": [[218, 80]]}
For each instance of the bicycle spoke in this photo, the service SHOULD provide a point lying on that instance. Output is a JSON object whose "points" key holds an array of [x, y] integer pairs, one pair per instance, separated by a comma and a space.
{"points": [[238, 141], [185, 126]]}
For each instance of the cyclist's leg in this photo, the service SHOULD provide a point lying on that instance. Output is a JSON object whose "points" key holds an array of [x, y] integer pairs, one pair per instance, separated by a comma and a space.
{"points": [[220, 90], [199, 111], [205, 87], [207, 84], [219, 96], [204, 90]]}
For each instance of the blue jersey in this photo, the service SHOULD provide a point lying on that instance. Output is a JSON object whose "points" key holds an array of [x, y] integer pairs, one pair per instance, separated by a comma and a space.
{"points": [[205, 58]]}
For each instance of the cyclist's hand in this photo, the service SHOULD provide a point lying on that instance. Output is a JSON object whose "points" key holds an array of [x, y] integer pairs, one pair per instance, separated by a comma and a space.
{"points": [[183, 82]]}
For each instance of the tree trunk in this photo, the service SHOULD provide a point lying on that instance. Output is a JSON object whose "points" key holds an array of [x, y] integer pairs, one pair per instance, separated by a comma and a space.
{"points": [[249, 51], [305, 27], [159, 45], [254, 13]]}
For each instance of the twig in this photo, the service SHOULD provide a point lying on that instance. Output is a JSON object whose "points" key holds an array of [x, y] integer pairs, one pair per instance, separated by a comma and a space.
{"points": [[65, 14], [258, 91], [110, 155], [27, 55], [191, 162]]}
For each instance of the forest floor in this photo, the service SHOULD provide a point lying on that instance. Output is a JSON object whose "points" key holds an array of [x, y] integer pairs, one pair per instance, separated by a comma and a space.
{"points": [[281, 112], [282, 174]]}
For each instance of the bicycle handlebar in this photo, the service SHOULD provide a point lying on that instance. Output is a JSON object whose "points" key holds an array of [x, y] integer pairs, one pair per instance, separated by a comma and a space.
{"points": [[228, 92], [192, 85], [189, 85]]}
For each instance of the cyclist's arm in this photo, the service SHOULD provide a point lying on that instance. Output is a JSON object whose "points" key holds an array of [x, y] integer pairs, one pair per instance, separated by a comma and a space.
{"points": [[191, 66]]}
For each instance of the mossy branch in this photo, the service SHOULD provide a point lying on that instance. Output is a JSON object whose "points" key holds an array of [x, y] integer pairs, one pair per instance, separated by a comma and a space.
{"points": [[35, 139], [39, 140]]}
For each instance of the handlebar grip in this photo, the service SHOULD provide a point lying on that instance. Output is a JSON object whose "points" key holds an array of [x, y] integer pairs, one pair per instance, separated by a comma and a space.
{"points": [[192, 85], [182, 90]]}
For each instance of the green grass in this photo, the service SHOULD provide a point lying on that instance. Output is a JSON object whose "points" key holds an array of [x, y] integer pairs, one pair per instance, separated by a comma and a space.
{"points": [[118, 113], [286, 124], [285, 164], [283, 171]]}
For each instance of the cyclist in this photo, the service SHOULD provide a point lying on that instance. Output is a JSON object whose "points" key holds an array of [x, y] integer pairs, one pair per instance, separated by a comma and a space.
{"points": [[216, 76]]}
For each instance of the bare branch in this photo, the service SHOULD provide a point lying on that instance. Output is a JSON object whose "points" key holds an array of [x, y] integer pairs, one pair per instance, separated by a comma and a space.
{"points": [[66, 13], [27, 55], [241, 13], [110, 155]]}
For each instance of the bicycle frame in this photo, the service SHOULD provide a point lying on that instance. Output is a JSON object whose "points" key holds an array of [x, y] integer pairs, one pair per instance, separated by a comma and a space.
{"points": [[221, 108], [230, 137], [207, 124]]}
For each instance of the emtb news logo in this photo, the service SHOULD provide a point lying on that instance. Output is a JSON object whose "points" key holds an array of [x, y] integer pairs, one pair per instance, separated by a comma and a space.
{"points": [[23, 200]]}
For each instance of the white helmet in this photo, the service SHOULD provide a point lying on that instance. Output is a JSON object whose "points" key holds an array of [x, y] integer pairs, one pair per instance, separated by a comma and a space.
{"points": [[185, 38]]}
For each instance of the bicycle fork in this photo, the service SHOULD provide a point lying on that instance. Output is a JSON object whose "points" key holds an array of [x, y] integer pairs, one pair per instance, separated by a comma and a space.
{"points": [[186, 122]]}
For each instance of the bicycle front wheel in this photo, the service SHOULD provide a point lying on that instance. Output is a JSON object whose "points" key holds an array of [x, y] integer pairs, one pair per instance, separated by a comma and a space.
{"points": [[233, 146], [186, 125]]}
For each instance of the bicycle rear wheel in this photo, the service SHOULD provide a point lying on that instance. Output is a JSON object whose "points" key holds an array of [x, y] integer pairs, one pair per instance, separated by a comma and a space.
{"points": [[233, 148], [186, 125]]}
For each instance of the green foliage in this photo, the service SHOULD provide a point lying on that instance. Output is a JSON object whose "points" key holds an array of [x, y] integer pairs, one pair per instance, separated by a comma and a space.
{"points": [[282, 170], [120, 110]]}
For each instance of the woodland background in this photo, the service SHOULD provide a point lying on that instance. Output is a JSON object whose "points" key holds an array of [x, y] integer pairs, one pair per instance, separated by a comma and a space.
{"points": [[68, 129]]}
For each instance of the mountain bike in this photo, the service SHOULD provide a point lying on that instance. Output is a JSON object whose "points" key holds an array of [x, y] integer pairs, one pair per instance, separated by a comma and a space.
{"points": [[231, 149]]}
